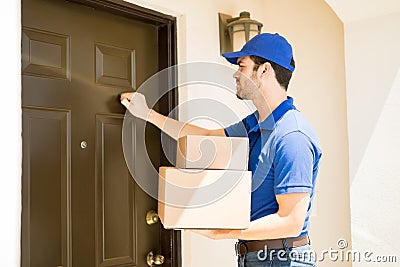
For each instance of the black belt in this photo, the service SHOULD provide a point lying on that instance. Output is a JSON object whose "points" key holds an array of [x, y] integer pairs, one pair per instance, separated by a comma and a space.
{"points": [[256, 245]]}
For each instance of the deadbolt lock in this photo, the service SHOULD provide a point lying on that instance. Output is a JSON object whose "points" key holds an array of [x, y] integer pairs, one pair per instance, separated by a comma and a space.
{"points": [[154, 260], [151, 217]]}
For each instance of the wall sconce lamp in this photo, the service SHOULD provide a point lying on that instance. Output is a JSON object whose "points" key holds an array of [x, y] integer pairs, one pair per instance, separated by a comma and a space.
{"points": [[235, 32]]}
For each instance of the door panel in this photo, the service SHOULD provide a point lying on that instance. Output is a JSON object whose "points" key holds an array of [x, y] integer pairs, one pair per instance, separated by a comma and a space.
{"points": [[115, 197], [45, 54], [81, 206], [46, 179], [115, 66]]}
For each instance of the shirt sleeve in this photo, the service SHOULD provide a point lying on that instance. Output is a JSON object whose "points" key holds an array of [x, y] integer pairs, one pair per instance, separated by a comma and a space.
{"points": [[239, 129], [294, 160]]}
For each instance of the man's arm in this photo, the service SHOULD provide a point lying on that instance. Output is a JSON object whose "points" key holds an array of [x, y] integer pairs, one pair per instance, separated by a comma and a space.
{"points": [[287, 222], [136, 104]]}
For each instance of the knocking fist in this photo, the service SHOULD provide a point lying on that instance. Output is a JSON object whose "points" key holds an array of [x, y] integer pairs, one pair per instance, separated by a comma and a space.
{"points": [[137, 105]]}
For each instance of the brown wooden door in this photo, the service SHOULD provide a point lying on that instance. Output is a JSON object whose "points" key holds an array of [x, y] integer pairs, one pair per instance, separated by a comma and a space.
{"points": [[81, 206]]}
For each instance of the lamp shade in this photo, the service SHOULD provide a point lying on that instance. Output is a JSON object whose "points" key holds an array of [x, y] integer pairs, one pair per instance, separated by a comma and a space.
{"points": [[242, 29]]}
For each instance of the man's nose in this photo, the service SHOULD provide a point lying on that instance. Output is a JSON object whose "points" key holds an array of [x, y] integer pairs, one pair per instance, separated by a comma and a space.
{"points": [[236, 74]]}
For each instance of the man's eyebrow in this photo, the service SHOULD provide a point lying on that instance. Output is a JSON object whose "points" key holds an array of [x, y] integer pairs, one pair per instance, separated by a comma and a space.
{"points": [[240, 62]]}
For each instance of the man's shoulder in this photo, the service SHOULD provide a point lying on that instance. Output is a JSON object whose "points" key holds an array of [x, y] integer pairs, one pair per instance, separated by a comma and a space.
{"points": [[294, 121]]}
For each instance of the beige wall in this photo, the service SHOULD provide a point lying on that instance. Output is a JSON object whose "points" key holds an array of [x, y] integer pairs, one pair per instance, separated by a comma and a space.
{"points": [[373, 95], [318, 86]]}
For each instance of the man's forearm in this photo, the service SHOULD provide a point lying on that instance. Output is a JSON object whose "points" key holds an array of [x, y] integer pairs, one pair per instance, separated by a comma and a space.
{"points": [[172, 127], [270, 227], [177, 129], [287, 222]]}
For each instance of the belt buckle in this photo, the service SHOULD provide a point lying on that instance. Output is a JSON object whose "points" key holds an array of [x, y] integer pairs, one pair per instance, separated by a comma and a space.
{"points": [[237, 248]]}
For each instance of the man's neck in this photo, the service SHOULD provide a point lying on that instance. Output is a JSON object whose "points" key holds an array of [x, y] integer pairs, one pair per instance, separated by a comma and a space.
{"points": [[269, 101]]}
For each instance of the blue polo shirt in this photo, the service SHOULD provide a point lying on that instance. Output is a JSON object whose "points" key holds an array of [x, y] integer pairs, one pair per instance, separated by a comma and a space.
{"points": [[284, 157]]}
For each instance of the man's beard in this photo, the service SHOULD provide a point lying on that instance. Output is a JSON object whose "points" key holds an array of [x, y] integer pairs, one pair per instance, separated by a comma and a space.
{"points": [[249, 85]]}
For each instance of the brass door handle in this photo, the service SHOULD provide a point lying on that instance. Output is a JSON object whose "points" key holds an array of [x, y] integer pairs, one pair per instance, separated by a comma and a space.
{"points": [[151, 217], [154, 260]]}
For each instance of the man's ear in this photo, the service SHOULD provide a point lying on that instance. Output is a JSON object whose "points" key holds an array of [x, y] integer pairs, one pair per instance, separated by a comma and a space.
{"points": [[266, 68]]}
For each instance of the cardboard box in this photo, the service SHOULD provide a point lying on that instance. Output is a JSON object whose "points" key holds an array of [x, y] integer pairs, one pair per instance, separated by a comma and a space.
{"points": [[204, 199], [212, 152]]}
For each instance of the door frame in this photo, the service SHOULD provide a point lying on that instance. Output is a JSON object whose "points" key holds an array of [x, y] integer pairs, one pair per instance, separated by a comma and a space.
{"points": [[167, 56]]}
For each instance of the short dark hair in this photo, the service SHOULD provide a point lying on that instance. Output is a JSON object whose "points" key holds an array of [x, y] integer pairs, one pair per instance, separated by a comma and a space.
{"points": [[282, 74]]}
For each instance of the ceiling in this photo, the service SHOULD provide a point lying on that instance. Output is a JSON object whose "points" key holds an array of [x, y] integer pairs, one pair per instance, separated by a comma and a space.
{"points": [[352, 10]]}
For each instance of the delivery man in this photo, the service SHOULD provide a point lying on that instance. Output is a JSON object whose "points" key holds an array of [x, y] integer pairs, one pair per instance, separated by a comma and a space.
{"points": [[285, 182]]}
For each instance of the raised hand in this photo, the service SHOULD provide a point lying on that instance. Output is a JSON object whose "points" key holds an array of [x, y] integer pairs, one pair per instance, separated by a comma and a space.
{"points": [[136, 104]]}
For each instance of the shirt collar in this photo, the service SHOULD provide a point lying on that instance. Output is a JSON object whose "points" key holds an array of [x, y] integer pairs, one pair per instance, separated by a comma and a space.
{"points": [[275, 116]]}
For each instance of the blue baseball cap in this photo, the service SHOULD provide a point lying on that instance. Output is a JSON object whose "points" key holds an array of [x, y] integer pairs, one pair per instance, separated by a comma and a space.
{"points": [[272, 47]]}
